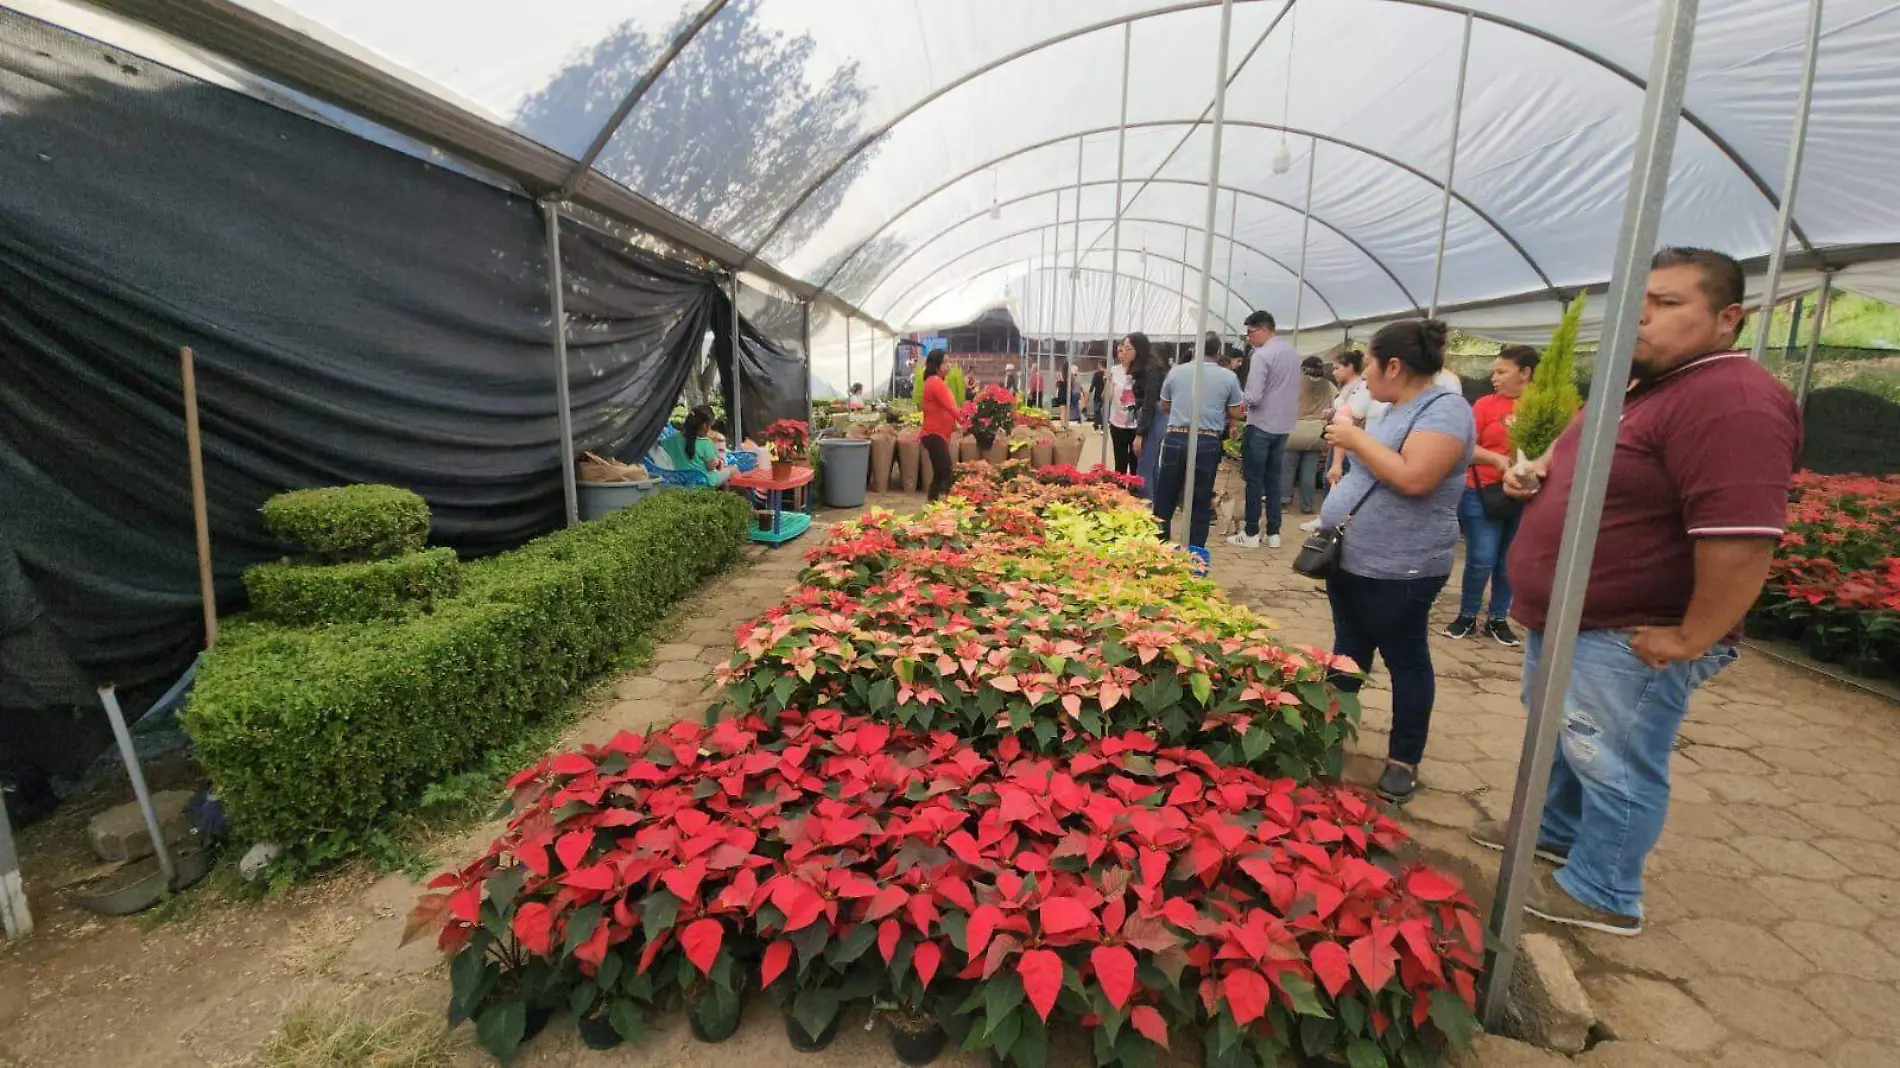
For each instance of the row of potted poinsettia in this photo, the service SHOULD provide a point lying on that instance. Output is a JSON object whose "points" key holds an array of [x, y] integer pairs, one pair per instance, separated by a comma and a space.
{"points": [[1145, 893], [1040, 608], [1835, 586]]}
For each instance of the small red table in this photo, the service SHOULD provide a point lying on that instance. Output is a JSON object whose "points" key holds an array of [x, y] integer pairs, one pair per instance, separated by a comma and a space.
{"points": [[785, 525]]}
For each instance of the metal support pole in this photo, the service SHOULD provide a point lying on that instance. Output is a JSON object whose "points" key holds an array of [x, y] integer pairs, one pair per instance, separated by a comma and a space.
{"points": [[1233, 215], [140, 792], [1115, 257], [15, 916], [738, 428], [1798, 143], [1814, 341], [1049, 323], [1451, 166], [557, 311], [847, 358], [1075, 282], [1649, 179], [1306, 225], [1794, 327], [804, 337], [1207, 261], [1182, 290]]}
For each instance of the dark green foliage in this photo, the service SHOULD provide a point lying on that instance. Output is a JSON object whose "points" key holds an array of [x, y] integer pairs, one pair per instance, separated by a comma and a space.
{"points": [[295, 593], [335, 523], [1846, 431], [313, 733]]}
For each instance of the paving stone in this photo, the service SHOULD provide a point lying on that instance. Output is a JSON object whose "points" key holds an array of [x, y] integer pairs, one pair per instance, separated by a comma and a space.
{"points": [[1865, 1009], [1844, 822], [1496, 1051], [1787, 735], [644, 714], [1863, 857], [679, 671], [1754, 1055], [1746, 788], [1635, 1009], [1656, 951], [1630, 1055], [1811, 900], [1703, 857], [632, 689], [1717, 735], [1768, 1014], [677, 651], [1442, 808], [1826, 789], [1715, 758], [1733, 948], [1881, 895], [1839, 950], [1807, 762], [1785, 856], [1762, 820], [1860, 1053]]}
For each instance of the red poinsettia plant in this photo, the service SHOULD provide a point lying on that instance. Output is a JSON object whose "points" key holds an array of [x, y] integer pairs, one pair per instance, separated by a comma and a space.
{"points": [[789, 438], [1835, 585], [990, 416], [1130, 889]]}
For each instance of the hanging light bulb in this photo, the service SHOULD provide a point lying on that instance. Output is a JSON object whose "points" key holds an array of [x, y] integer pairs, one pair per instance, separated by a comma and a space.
{"points": [[996, 204], [1282, 158]]}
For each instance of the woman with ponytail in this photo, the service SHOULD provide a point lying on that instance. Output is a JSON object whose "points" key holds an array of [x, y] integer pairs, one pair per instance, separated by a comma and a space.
{"points": [[1400, 494]]}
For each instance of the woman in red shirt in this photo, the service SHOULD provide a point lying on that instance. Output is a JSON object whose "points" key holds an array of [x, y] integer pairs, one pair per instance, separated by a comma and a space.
{"points": [[1488, 539], [940, 418]]}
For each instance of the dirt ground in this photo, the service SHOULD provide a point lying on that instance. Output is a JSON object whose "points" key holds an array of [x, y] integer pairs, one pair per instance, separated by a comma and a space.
{"points": [[1775, 915]]}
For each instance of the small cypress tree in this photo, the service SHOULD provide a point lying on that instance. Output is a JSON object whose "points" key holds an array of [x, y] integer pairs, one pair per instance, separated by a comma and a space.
{"points": [[1551, 400], [954, 379]]}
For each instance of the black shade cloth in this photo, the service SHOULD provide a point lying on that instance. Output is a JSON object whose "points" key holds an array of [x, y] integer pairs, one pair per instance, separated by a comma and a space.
{"points": [[774, 372], [358, 315]]}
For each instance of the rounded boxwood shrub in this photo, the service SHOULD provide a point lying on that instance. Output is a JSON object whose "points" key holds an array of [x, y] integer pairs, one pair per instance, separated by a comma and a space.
{"points": [[299, 593], [335, 523], [311, 733]]}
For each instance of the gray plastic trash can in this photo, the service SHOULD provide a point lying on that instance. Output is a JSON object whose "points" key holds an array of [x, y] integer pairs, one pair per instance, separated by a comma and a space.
{"points": [[847, 470], [599, 498]]}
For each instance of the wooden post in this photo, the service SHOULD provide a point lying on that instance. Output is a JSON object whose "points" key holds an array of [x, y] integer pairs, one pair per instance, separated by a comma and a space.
{"points": [[206, 589]]}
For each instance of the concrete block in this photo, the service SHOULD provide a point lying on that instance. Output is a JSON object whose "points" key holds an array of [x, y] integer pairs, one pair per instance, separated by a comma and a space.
{"points": [[119, 834], [1548, 1005]]}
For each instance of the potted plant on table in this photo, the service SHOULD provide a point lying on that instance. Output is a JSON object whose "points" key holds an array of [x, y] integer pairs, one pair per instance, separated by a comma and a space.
{"points": [[790, 440]]}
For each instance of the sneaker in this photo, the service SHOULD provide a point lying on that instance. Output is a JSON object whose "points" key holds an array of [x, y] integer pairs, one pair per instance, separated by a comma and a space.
{"points": [[1311, 525], [1548, 900], [1398, 783], [1244, 541], [1273, 541], [1461, 628], [1490, 834], [1500, 630]]}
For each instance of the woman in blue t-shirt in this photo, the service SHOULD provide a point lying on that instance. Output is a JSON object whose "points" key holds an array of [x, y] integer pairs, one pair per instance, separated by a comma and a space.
{"points": [[1401, 494]]}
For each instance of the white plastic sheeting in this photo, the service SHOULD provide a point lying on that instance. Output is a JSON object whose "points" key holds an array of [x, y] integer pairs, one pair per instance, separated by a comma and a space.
{"points": [[860, 144]]}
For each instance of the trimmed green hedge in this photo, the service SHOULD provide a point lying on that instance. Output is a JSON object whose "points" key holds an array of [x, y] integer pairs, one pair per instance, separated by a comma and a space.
{"points": [[296, 593], [308, 732], [366, 522]]}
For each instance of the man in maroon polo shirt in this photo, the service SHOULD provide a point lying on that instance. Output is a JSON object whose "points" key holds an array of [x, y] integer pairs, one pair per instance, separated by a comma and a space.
{"points": [[1697, 497]]}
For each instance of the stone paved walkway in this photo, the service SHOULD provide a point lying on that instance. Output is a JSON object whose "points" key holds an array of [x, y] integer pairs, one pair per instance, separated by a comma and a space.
{"points": [[1773, 898]]}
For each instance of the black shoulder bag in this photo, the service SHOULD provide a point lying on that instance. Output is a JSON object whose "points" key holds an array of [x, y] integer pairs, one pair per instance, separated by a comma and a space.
{"points": [[1320, 555]]}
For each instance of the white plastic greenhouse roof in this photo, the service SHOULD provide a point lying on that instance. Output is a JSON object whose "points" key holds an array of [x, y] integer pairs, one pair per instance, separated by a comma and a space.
{"points": [[853, 149]]}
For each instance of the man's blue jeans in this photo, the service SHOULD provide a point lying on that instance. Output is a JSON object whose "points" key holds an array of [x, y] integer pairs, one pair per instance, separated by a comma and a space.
{"points": [[1487, 543], [1609, 786], [1262, 464], [1171, 478]]}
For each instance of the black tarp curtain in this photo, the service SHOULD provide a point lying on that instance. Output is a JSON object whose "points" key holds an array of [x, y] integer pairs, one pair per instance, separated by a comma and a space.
{"points": [[357, 315]]}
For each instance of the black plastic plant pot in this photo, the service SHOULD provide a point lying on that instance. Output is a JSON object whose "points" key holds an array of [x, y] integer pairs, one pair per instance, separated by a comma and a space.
{"points": [[917, 1048], [597, 1033], [804, 1041], [537, 1022], [713, 1029]]}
